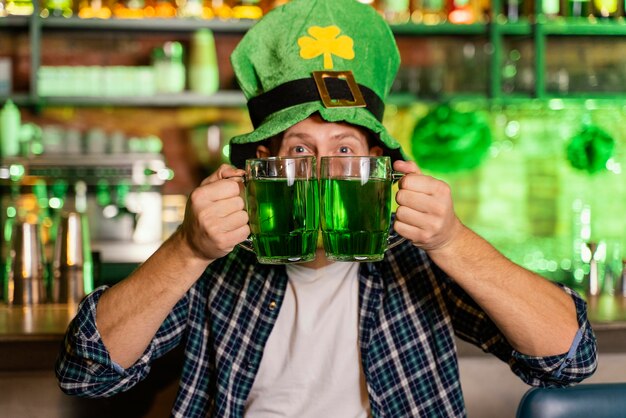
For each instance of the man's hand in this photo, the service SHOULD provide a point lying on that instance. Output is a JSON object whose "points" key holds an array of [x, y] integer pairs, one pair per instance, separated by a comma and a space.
{"points": [[215, 217], [425, 214]]}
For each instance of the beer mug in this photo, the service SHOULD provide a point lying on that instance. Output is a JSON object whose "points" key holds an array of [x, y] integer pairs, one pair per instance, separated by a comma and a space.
{"points": [[282, 200], [356, 207]]}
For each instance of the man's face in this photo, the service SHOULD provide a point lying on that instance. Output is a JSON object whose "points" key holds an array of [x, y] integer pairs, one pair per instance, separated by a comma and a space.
{"points": [[314, 136]]}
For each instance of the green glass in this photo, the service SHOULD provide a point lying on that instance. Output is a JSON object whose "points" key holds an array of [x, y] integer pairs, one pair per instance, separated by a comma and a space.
{"points": [[355, 218], [284, 218], [350, 232]]}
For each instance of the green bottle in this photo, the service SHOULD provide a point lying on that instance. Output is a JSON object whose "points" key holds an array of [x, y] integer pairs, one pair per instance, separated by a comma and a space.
{"points": [[10, 125], [203, 68], [551, 8], [579, 8], [57, 8]]}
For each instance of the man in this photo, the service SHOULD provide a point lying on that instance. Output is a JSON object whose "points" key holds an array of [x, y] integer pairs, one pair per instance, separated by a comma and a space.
{"points": [[323, 339]]}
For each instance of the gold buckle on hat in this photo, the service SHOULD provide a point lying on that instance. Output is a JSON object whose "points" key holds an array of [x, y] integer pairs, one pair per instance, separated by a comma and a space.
{"points": [[320, 80]]}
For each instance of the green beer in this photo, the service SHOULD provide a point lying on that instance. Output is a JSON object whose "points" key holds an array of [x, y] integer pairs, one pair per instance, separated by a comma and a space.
{"points": [[284, 218], [355, 218]]}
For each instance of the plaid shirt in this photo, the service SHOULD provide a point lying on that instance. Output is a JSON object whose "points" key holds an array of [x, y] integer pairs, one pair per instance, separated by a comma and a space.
{"points": [[409, 314]]}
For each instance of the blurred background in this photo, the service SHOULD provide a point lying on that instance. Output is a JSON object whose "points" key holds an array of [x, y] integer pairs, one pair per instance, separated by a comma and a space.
{"points": [[116, 110]]}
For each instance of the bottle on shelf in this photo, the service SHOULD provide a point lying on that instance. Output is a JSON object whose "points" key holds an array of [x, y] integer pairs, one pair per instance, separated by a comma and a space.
{"points": [[606, 8], [10, 128], [57, 8], [191, 9], [430, 12], [550, 8], [94, 9], [169, 68], [513, 10], [249, 9], [578, 8], [396, 11], [129, 9], [219, 9], [461, 12], [19, 7], [203, 69], [160, 8]]}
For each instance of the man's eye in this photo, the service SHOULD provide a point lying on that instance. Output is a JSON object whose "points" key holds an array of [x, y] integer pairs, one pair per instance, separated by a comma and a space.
{"points": [[299, 149], [344, 150]]}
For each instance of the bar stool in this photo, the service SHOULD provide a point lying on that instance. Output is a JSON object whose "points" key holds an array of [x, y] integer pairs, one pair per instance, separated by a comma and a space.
{"points": [[592, 400]]}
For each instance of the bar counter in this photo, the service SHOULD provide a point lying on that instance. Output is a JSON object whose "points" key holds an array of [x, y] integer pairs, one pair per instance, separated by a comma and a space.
{"points": [[30, 338]]}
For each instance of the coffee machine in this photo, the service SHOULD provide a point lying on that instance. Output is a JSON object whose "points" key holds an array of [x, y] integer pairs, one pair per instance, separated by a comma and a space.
{"points": [[119, 194]]}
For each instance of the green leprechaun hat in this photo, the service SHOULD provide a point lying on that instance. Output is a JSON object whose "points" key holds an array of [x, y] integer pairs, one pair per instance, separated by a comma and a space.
{"points": [[334, 57]]}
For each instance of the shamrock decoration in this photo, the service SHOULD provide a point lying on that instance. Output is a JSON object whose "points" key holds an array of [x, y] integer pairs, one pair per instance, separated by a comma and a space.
{"points": [[590, 149], [447, 140], [326, 41]]}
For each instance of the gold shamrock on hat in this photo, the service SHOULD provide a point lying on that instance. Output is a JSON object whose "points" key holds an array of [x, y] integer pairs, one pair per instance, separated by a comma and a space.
{"points": [[326, 41]]}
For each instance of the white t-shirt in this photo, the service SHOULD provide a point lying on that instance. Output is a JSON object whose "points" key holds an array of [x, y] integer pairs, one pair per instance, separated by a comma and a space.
{"points": [[311, 365]]}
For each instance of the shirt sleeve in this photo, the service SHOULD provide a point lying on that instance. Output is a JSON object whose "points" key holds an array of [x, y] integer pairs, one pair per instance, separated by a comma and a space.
{"points": [[84, 367], [472, 324], [577, 364]]}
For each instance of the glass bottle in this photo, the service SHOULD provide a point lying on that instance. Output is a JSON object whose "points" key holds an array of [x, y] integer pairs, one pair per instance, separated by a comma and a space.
{"points": [[220, 9], [203, 68], [160, 9], [19, 7], [606, 8], [429, 12], [396, 11], [94, 9], [249, 9], [129, 9], [57, 8], [190, 8], [550, 8], [461, 12], [578, 8], [169, 68], [3, 8], [10, 127], [513, 10]]}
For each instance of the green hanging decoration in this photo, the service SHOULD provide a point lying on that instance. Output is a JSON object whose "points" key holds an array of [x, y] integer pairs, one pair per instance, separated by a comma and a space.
{"points": [[590, 149], [447, 140]]}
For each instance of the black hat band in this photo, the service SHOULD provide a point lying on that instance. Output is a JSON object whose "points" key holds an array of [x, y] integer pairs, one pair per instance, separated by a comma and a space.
{"points": [[305, 90]]}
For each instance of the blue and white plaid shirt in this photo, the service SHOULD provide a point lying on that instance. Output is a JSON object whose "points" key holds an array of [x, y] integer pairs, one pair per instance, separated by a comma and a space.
{"points": [[409, 314]]}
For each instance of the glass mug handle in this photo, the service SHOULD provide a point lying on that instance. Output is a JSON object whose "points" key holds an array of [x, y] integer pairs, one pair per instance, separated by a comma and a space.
{"points": [[246, 244], [394, 238]]}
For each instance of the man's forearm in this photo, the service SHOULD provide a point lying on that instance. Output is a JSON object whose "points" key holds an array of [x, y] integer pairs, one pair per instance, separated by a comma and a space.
{"points": [[537, 317], [129, 314]]}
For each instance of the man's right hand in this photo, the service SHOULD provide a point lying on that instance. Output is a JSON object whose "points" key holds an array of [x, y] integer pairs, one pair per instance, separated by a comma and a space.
{"points": [[215, 217]]}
